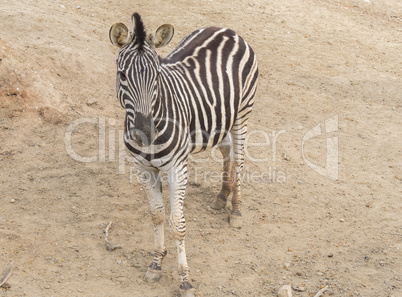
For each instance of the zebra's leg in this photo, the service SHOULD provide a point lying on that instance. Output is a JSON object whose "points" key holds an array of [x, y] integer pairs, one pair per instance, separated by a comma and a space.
{"points": [[238, 131], [177, 179], [226, 148], [152, 181]]}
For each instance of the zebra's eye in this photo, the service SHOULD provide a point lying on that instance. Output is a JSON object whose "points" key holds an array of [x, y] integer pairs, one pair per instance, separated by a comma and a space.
{"points": [[121, 76]]}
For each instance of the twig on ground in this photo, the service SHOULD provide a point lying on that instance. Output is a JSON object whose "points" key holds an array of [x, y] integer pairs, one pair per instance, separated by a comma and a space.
{"points": [[110, 247], [321, 292], [6, 274], [73, 108]]}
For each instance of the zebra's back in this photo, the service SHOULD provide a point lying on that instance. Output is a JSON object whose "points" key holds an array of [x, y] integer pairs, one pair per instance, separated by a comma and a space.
{"points": [[215, 73]]}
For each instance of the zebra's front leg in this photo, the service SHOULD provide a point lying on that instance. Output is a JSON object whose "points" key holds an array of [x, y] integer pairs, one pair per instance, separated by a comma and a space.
{"points": [[177, 186], [153, 184]]}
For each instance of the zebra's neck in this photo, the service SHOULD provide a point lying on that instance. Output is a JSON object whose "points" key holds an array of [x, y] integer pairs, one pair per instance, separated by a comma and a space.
{"points": [[170, 108]]}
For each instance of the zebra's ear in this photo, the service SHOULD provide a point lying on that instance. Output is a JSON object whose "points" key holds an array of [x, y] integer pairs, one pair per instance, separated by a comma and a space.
{"points": [[118, 35], [163, 35]]}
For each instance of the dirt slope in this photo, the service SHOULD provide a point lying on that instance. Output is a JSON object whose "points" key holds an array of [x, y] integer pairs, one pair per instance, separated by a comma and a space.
{"points": [[322, 182]]}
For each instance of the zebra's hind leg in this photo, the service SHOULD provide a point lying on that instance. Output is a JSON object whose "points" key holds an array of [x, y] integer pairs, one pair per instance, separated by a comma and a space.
{"points": [[153, 184], [226, 148], [238, 132]]}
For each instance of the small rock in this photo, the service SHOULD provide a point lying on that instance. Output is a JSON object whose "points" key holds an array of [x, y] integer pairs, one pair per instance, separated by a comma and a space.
{"points": [[285, 291], [299, 289], [330, 255], [12, 200], [92, 102]]}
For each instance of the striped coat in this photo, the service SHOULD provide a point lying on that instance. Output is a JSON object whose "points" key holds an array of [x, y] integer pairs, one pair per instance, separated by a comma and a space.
{"points": [[199, 96]]}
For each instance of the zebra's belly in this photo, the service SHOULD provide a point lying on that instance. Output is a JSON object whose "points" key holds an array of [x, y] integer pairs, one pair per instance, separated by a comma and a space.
{"points": [[202, 140]]}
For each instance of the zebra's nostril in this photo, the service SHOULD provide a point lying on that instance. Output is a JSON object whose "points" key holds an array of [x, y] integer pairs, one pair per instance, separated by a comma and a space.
{"points": [[142, 138], [136, 136]]}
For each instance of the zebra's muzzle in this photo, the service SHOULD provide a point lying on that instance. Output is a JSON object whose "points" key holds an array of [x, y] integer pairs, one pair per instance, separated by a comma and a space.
{"points": [[144, 130]]}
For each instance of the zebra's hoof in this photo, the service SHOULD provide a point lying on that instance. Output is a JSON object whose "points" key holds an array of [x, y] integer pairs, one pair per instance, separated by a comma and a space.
{"points": [[218, 204], [152, 275], [187, 293], [235, 221]]}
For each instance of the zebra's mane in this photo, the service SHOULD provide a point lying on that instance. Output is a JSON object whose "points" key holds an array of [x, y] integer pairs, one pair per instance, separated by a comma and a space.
{"points": [[139, 31]]}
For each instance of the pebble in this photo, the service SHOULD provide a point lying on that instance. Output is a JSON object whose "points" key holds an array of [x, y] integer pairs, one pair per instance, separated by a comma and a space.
{"points": [[285, 291], [12, 200], [299, 289]]}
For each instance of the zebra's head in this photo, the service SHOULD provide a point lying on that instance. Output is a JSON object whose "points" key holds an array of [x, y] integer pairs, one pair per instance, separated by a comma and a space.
{"points": [[138, 68]]}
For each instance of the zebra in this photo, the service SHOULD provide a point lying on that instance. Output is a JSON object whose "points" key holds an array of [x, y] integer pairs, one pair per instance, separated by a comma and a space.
{"points": [[197, 97]]}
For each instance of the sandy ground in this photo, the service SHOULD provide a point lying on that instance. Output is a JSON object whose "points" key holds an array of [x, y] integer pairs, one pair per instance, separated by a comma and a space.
{"points": [[322, 181]]}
